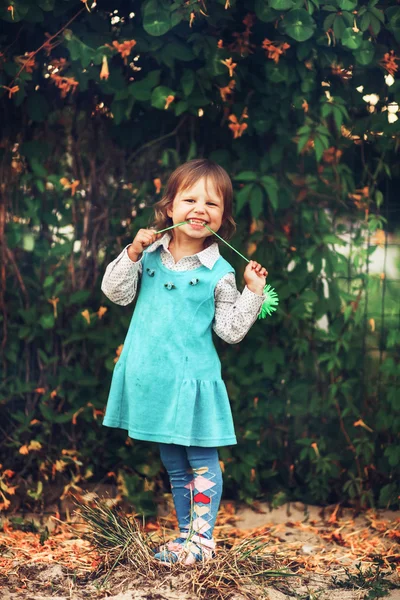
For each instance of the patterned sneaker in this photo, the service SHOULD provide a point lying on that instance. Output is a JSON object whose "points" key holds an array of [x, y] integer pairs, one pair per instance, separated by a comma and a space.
{"points": [[190, 551], [178, 540]]}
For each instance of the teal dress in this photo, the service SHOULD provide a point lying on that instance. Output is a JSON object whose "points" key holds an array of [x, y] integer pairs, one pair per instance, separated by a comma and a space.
{"points": [[166, 386]]}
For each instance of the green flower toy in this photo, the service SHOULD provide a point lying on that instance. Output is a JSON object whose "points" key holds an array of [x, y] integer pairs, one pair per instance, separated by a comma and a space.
{"points": [[271, 301]]}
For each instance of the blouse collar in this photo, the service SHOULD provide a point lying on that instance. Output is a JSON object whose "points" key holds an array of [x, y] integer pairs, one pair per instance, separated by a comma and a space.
{"points": [[208, 257]]}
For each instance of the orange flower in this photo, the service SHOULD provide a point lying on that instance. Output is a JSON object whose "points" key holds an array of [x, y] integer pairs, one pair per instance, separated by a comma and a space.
{"points": [[157, 185], [360, 423], [59, 63], [230, 65], [65, 84], [125, 48], [275, 49], [332, 155], [220, 43], [67, 185], [388, 62], [227, 4], [314, 446], [49, 45], [12, 90], [227, 90], [118, 352], [40, 390], [379, 238], [53, 302], [53, 394], [104, 73], [304, 106], [8, 473], [251, 248], [360, 197], [86, 315], [168, 101], [10, 8], [74, 416], [192, 18], [26, 61], [344, 74], [102, 311], [236, 127]]}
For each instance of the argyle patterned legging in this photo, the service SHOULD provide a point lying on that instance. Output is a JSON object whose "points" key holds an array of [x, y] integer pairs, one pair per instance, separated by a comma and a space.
{"points": [[196, 485]]}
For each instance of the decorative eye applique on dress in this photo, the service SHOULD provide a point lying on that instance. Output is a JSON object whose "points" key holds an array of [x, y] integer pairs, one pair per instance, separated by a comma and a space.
{"points": [[150, 272], [169, 285], [194, 281]]}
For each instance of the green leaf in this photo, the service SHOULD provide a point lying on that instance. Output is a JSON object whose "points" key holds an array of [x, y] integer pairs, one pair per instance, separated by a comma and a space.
{"points": [[328, 22], [271, 187], [378, 14], [156, 19], [46, 5], [338, 117], [281, 4], [47, 321], [181, 107], [347, 4], [318, 148], [256, 201], [393, 16], [352, 39], [80, 51], [242, 197], [37, 167], [179, 51], [264, 12], [246, 176], [365, 21], [375, 25], [365, 54], [298, 24], [159, 96], [141, 90], [187, 82], [339, 27], [303, 139]]}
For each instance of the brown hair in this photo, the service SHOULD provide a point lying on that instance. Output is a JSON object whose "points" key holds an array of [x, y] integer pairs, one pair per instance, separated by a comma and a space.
{"points": [[185, 177]]}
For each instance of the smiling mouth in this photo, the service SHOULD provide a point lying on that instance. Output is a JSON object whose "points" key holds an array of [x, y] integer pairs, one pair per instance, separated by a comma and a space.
{"points": [[197, 221]]}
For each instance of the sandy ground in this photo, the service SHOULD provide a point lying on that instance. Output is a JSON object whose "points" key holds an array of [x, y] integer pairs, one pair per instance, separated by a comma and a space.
{"points": [[308, 542]]}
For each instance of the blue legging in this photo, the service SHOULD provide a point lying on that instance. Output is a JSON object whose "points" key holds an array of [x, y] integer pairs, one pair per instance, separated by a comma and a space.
{"points": [[196, 485]]}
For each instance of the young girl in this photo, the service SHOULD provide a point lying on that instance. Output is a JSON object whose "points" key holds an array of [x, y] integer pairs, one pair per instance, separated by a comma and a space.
{"points": [[166, 386]]}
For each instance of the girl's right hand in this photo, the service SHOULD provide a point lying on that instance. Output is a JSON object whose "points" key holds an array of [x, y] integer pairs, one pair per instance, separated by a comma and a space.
{"points": [[143, 239]]}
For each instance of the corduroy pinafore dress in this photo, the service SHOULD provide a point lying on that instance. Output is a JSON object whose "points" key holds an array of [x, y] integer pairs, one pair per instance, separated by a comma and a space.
{"points": [[166, 386]]}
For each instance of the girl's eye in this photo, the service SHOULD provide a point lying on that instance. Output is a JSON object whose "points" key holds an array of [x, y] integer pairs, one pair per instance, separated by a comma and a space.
{"points": [[190, 200]]}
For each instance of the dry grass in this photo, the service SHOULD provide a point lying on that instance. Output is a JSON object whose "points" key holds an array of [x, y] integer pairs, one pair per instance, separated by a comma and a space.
{"points": [[241, 567]]}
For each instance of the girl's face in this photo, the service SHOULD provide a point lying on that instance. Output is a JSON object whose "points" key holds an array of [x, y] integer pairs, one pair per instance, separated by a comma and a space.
{"points": [[200, 202]]}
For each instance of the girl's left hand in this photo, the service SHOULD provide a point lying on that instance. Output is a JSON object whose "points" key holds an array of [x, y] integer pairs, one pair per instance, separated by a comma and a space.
{"points": [[255, 276]]}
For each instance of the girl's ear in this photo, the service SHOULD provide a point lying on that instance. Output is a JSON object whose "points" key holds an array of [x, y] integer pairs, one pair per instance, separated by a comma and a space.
{"points": [[169, 209]]}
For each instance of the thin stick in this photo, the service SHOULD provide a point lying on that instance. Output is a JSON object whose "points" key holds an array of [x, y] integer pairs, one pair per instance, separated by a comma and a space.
{"points": [[214, 232], [237, 251]]}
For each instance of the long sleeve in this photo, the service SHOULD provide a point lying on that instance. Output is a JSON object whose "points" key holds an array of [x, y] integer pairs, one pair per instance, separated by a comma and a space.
{"points": [[235, 312], [120, 280]]}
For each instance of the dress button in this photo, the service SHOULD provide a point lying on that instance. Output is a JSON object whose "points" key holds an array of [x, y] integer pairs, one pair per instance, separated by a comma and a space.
{"points": [[150, 272], [194, 281], [169, 285]]}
